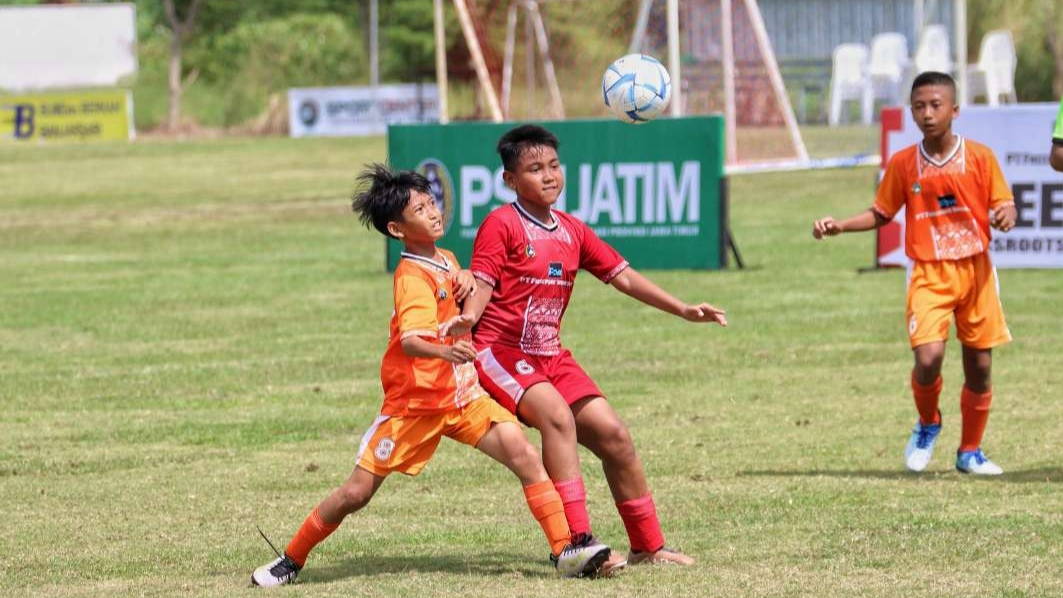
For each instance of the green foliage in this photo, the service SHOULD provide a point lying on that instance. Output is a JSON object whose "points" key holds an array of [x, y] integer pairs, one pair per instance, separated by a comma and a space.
{"points": [[407, 36]]}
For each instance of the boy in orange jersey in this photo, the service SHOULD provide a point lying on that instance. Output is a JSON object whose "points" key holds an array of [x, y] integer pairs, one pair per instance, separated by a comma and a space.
{"points": [[430, 387], [952, 190]]}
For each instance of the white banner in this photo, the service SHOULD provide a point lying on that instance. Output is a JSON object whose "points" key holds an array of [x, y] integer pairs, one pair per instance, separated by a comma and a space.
{"points": [[1021, 136], [53, 47], [359, 111]]}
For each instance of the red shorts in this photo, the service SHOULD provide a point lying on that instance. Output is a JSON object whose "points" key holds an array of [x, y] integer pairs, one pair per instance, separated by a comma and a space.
{"points": [[506, 372]]}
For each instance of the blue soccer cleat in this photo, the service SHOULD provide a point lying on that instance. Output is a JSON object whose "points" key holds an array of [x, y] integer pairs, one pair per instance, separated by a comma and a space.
{"points": [[921, 446], [975, 462]]}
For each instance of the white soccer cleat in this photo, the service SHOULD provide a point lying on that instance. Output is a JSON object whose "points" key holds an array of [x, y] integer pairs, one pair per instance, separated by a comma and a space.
{"points": [[584, 558], [281, 571], [975, 462], [921, 446]]}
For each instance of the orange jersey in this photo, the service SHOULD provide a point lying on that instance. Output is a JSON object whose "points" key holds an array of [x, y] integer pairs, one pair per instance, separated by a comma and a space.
{"points": [[424, 299], [946, 203]]}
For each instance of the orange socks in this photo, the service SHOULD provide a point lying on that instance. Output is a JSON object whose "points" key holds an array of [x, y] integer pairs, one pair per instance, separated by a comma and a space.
{"points": [[975, 410], [926, 401], [546, 507], [312, 533]]}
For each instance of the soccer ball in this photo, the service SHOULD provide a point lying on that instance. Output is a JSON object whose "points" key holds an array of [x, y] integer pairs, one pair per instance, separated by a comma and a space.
{"points": [[636, 88]]}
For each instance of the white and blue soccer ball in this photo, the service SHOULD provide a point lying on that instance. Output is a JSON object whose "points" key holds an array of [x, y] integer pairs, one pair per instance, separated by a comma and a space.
{"points": [[636, 88]]}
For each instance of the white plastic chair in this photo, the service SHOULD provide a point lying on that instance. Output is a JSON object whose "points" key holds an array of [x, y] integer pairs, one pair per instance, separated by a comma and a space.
{"points": [[889, 67], [850, 81], [994, 73], [933, 53]]}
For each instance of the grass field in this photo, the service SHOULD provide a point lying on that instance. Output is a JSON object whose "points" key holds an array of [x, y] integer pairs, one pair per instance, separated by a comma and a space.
{"points": [[190, 336]]}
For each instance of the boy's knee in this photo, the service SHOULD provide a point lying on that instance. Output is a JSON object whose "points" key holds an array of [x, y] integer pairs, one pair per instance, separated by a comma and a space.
{"points": [[616, 440], [354, 497], [558, 422], [928, 361]]}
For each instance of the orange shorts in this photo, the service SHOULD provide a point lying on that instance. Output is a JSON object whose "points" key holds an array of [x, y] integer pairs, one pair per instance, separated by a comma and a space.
{"points": [[406, 443], [967, 289]]}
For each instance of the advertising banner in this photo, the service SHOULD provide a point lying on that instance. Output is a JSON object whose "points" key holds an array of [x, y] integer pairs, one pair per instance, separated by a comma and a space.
{"points": [[81, 116], [67, 46], [653, 191], [359, 111], [1021, 137]]}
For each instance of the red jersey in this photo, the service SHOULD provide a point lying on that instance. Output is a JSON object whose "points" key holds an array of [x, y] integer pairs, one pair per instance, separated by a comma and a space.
{"points": [[532, 266]]}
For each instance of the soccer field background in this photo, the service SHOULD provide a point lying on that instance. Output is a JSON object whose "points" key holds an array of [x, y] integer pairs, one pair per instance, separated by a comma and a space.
{"points": [[190, 336]]}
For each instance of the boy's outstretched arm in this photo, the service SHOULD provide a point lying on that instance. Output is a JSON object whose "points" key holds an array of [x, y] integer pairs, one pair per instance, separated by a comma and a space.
{"points": [[633, 284], [867, 220], [471, 310]]}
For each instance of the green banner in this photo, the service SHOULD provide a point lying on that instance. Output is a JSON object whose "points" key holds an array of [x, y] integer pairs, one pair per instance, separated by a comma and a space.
{"points": [[651, 191]]}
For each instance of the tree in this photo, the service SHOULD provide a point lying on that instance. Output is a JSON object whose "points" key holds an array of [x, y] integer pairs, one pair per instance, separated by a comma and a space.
{"points": [[1054, 38], [180, 30]]}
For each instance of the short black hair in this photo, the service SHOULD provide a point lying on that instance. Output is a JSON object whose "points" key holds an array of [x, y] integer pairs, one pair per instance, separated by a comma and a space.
{"points": [[519, 140], [934, 78], [383, 194]]}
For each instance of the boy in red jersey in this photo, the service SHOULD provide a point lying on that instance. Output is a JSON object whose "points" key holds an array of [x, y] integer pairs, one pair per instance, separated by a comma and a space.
{"points": [[525, 260], [430, 388], [952, 190]]}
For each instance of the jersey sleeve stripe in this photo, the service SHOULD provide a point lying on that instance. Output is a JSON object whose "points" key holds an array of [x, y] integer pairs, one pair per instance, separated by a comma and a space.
{"points": [[615, 271], [485, 277]]}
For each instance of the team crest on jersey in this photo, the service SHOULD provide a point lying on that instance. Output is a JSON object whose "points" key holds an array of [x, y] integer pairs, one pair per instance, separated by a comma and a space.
{"points": [[554, 270], [917, 188], [383, 449], [529, 251], [443, 294], [442, 188], [523, 367]]}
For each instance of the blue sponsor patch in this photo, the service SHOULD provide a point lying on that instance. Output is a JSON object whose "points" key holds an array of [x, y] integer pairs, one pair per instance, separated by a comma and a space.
{"points": [[554, 270], [947, 201]]}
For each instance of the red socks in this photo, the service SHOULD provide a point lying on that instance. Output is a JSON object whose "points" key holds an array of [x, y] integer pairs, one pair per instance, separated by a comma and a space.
{"points": [[574, 497], [975, 410], [640, 520], [926, 401], [312, 533]]}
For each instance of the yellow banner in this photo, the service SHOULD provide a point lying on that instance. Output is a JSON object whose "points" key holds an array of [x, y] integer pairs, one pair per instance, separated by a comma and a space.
{"points": [[75, 116]]}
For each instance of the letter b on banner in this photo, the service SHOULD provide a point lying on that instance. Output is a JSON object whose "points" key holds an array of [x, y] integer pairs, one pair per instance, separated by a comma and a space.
{"points": [[24, 121]]}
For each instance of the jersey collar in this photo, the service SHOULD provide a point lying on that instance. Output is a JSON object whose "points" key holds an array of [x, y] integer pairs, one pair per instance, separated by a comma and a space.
{"points": [[535, 220], [939, 163], [444, 265]]}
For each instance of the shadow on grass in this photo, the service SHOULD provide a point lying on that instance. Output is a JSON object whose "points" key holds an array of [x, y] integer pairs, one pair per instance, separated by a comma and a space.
{"points": [[1050, 475], [485, 564]]}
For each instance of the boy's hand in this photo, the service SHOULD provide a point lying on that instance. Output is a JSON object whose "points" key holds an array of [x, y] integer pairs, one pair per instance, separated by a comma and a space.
{"points": [[460, 352], [825, 227], [1003, 218], [457, 326], [703, 312], [464, 284]]}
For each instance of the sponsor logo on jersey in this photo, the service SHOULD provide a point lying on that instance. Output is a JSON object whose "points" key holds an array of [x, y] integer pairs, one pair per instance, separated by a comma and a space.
{"points": [[524, 367], [554, 270], [947, 201], [383, 449]]}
